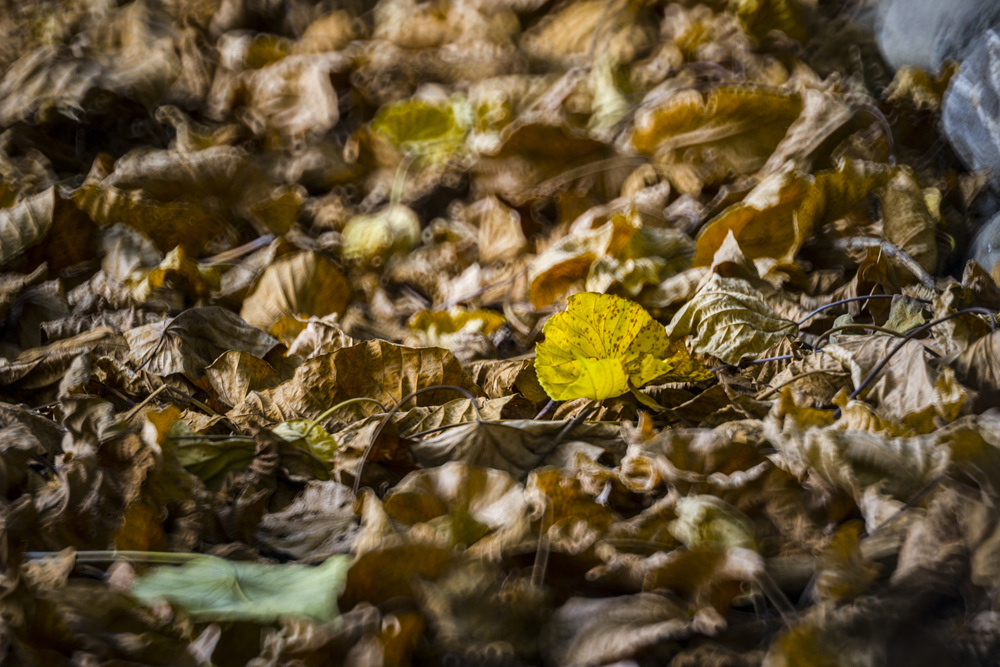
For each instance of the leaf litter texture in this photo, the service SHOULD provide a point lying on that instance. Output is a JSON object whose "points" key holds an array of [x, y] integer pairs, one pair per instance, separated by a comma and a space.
{"points": [[235, 238]]}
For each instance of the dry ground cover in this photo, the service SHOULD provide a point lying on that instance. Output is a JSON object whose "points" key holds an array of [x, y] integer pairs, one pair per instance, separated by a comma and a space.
{"points": [[487, 332]]}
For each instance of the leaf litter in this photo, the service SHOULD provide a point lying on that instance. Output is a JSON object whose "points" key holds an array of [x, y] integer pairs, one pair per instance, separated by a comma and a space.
{"points": [[504, 333]]}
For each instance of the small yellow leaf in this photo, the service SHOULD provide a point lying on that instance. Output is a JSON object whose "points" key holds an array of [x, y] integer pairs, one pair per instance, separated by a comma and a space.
{"points": [[602, 346]]}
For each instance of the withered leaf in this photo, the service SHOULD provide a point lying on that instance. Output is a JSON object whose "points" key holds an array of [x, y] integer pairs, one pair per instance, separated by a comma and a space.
{"points": [[191, 341], [236, 373], [304, 284], [464, 501], [318, 524], [706, 139], [374, 369], [729, 319], [513, 446], [606, 630], [25, 223]]}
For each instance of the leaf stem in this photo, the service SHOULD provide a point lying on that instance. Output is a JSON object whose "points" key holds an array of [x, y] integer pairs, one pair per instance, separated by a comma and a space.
{"points": [[854, 327], [849, 300], [111, 555], [767, 392], [343, 404], [910, 336]]}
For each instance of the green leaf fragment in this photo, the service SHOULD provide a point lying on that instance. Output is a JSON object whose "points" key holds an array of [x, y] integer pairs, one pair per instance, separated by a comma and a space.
{"points": [[213, 589]]}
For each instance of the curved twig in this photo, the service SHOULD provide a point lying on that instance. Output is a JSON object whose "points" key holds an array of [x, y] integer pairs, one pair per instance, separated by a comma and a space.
{"points": [[395, 409]]}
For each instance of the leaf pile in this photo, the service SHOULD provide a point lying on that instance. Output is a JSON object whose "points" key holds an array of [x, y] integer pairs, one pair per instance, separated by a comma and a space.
{"points": [[505, 332]]}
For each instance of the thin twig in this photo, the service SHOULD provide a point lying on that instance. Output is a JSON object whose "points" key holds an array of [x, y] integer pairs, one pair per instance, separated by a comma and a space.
{"points": [[849, 300], [854, 327], [141, 404], [395, 409], [766, 392], [910, 336]]}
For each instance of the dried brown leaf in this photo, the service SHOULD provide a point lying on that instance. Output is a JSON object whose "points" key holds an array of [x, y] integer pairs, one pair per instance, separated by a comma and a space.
{"points": [[191, 341], [304, 284]]}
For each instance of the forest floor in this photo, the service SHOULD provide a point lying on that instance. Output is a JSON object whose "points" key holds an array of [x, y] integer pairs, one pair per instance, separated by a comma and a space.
{"points": [[487, 332]]}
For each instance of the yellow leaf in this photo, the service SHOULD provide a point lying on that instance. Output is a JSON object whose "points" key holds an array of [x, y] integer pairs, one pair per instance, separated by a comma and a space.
{"points": [[602, 346], [433, 131], [777, 216], [842, 570], [376, 236]]}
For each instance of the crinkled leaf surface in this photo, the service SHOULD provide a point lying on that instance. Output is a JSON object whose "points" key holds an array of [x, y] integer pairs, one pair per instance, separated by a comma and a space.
{"points": [[373, 369], [25, 223], [729, 319], [191, 341], [604, 345], [214, 589]]}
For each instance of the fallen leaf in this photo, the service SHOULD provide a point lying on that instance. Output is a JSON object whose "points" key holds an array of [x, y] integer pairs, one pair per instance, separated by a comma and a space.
{"points": [[191, 341], [707, 139], [729, 319], [374, 369], [602, 346], [214, 589], [303, 284]]}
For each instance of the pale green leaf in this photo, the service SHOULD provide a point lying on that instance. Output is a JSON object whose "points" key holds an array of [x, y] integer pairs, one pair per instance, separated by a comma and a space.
{"points": [[213, 589]]}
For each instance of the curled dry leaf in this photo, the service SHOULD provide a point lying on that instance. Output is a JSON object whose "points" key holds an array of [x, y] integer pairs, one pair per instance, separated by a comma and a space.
{"points": [[466, 333], [25, 224], [191, 341], [318, 524], [236, 373], [499, 378], [706, 139], [321, 335], [608, 630], [464, 502], [777, 217], [303, 284], [374, 369], [619, 252], [729, 319], [515, 446]]}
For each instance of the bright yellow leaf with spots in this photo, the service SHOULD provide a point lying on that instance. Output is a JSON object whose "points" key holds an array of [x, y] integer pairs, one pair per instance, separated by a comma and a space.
{"points": [[603, 346]]}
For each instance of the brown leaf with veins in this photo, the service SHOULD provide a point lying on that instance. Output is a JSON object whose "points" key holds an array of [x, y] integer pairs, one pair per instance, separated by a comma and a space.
{"points": [[729, 319], [191, 341], [515, 446], [462, 503], [236, 373], [374, 369], [304, 284]]}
